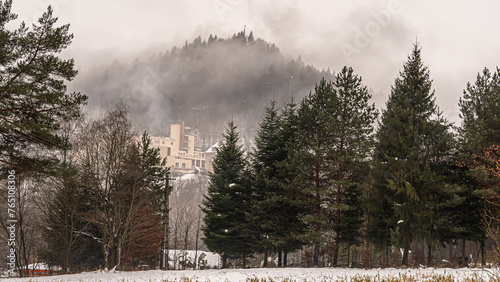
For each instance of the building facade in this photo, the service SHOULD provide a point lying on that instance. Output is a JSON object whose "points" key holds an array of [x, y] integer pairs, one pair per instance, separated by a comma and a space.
{"points": [[180, 152]]}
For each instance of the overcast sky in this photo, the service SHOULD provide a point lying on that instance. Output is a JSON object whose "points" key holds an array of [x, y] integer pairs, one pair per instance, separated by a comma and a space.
{"points": [[458, 38]]}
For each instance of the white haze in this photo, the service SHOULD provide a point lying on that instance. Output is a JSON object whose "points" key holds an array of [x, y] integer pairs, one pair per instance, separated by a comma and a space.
{"points": [[459, 38]]}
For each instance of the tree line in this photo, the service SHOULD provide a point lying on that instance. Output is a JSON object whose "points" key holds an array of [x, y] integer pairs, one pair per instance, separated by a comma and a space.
{"points": [[329, 174], [92, 194]]}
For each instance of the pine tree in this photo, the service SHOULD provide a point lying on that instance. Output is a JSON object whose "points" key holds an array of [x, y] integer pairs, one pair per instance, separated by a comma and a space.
{"points": [[309, 163], [294, 198], [275, 202], [350, 151], [147, 233], [153, 171], [335, 137], [33, 98], [401, 157], [479, 106], [480, 130], [228, 201], [265, 181], [459, 207], [448, 194]]}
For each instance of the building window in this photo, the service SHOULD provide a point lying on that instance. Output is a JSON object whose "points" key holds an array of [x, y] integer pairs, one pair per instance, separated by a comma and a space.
{"points": [[203, 164], [176, 164], [198, 163], [183, 165], [186, 138], [163, 142], [192, 163], [168, 151]]}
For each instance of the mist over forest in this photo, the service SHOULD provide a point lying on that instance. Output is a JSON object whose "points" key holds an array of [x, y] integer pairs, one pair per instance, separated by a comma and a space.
{"points": [[206, 82]]}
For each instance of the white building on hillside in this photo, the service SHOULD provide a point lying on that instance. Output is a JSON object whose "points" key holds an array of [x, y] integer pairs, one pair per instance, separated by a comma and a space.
{"points": [[178, 148]]}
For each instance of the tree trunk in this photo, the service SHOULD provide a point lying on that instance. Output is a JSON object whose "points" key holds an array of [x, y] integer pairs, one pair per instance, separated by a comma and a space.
{"points": [[429, 255], [186, 243], [316, 255], [463, 249], [196, 243], [348, 256], [265, 258], [450, 252], [166, 225], [404, 262], [65, 265], [483, 259], [106, 252], [336, 247], [386, 255], [224, 261], [118, 255], [112, 258], [337, 220], [279, 257], [285, 254]]}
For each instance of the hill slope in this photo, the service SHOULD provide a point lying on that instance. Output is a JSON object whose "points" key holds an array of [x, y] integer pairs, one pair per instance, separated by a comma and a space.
{"points": [[205, 82]]}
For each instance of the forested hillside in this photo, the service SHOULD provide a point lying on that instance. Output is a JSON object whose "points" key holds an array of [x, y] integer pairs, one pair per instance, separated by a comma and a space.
{"points": [[205, 82]]}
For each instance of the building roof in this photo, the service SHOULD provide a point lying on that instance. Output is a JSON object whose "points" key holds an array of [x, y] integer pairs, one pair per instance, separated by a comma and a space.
{"points": [[213, 148]]}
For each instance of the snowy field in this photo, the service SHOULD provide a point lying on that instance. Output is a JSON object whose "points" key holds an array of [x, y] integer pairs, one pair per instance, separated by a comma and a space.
{"points": [[276, 274]]}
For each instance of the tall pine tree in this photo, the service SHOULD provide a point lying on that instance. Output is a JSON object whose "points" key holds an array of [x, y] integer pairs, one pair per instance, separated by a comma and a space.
{"points": [[448, 198], [309, 160], [353, 143], [33, 99], [334, 141], [277, 204], [479, 106], [401, 157], [227, 204], [479, 131]]}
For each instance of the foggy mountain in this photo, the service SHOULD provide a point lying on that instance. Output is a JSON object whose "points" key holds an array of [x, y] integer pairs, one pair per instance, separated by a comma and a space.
{"points": [[205, 83]]}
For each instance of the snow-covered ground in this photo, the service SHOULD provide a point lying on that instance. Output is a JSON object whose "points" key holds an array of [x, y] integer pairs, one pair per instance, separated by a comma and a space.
{"points": [[276, 274]]}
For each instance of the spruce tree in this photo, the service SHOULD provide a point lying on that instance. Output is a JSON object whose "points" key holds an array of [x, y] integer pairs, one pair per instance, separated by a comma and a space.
{"points": [[294, 200], [275, 202], [265, 170], [401, 157], [153, 171], [153, 176], [448, 194], [227, 204]]}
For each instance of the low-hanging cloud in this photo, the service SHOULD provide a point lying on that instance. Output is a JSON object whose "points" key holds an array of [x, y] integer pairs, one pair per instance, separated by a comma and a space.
{"points": [[374, 37]]}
